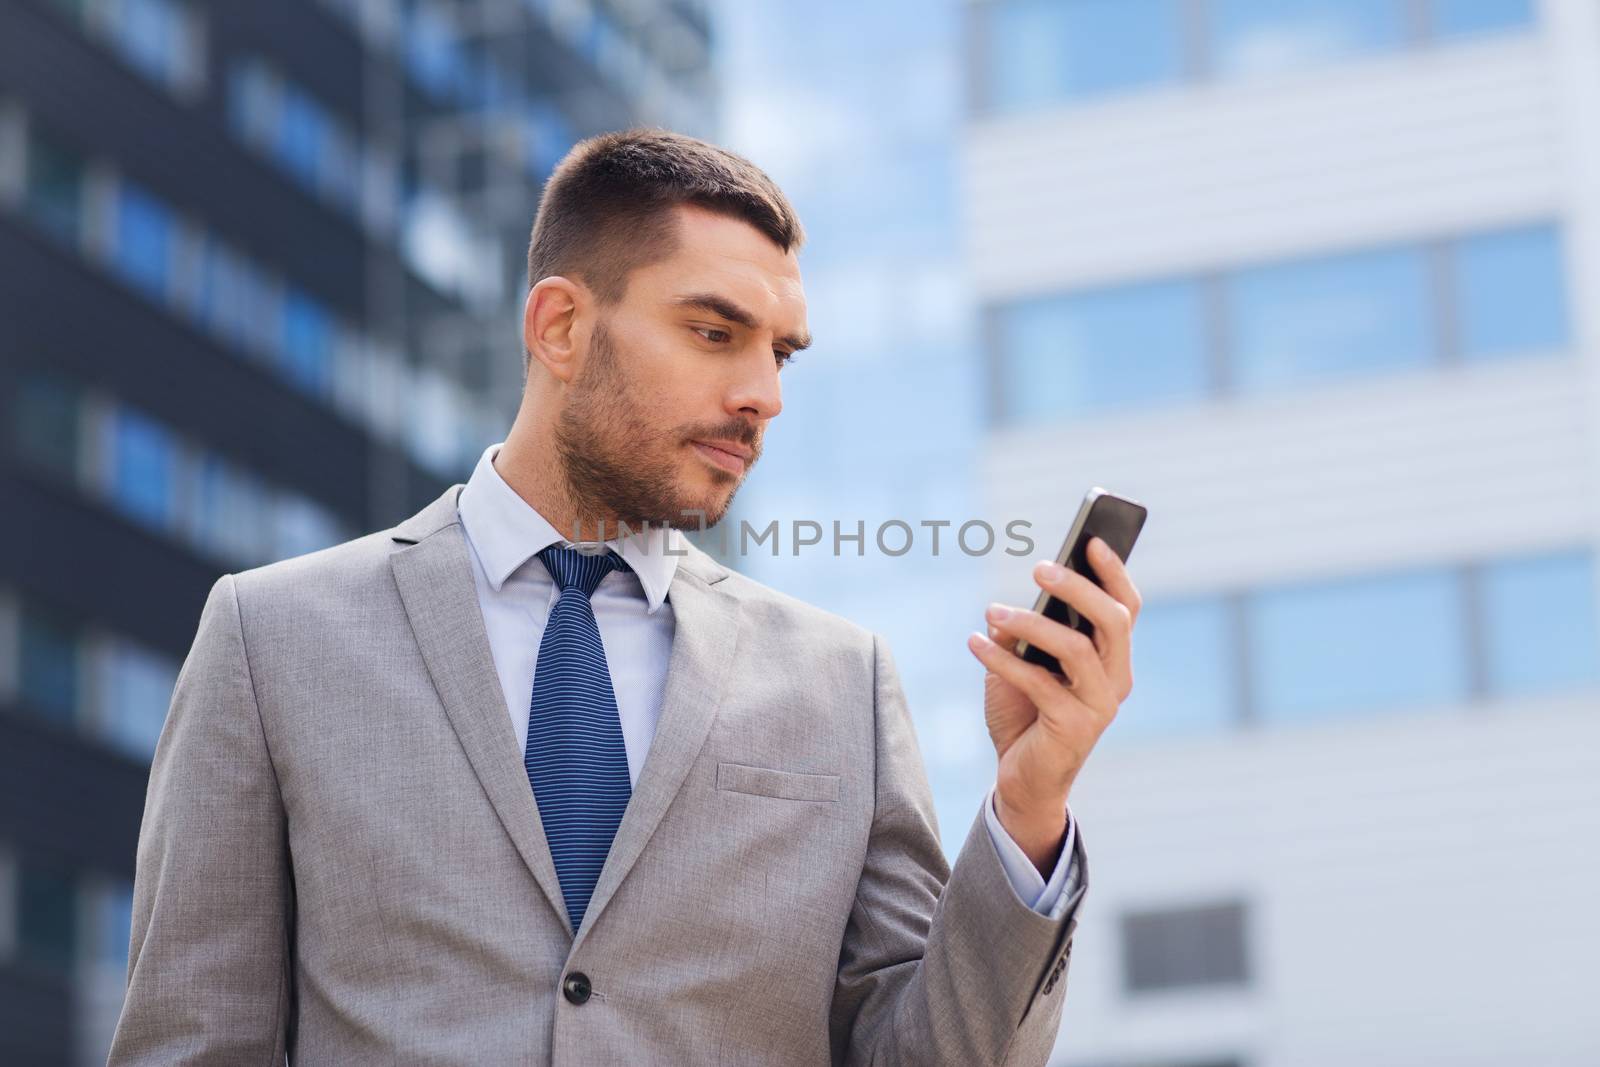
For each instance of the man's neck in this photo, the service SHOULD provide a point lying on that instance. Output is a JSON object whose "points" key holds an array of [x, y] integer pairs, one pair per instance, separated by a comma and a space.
{"points": [[530, 472]]}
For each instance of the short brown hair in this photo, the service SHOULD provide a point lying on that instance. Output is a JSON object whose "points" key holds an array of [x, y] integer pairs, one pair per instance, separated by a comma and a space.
{"points": [[607, 208]]}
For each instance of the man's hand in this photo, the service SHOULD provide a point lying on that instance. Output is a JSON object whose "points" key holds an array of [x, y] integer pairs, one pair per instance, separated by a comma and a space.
{"points": [[1043, 726]]}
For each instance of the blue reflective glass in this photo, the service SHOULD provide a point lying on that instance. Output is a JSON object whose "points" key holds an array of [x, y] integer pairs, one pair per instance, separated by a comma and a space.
{"points": [[1102, 350], [1324, 319], [1185, 678], [138, 693], [143, 252], [49, 668], [150, 33], [1367, 643], [1460, 17], [1510, 293], [302, 135], [144, 479], [432, 53], [1539, 623], [1249, 37], [307, 342], [1042, 51], [115, 926]]}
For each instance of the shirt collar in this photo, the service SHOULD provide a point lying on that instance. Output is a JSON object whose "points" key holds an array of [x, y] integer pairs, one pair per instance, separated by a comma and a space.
{"points": [[506, 531]]}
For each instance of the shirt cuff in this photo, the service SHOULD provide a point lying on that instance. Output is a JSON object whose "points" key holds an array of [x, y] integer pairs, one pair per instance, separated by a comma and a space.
{"points": [[1038, 894]]}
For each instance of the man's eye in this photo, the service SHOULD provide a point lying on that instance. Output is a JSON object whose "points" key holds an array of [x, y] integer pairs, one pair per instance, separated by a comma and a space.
{"points": [[703, 330], [784, 358]]}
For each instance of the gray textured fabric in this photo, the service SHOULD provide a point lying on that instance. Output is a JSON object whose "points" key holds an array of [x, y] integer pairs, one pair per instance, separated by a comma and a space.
{"points": [[341, 861]]}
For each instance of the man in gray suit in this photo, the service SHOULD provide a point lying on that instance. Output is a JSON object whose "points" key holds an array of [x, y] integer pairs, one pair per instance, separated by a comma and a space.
{"points": [[491, 787]]}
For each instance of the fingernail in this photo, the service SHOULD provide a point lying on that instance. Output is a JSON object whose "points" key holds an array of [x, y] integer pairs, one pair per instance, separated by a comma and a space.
{"points": [[1099, 548], [978, 642], [1049, 571], [998, 612]]}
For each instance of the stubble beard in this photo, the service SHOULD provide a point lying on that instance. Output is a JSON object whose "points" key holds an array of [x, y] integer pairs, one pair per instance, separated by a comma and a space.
{"points": [[620, 467]]}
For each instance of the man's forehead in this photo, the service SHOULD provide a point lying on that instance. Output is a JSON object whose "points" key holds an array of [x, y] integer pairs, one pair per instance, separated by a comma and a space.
{"points": [[727, 266]]}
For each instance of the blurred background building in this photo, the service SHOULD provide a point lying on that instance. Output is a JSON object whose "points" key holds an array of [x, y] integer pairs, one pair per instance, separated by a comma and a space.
{"points": [[262, 276], [1315, 280]]}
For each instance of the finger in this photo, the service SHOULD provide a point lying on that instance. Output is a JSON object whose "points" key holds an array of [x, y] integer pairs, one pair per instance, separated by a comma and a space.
{"points": [[1073, 650], [1113, 622], [1003, 639], [1040, 686], [1113, 575]]}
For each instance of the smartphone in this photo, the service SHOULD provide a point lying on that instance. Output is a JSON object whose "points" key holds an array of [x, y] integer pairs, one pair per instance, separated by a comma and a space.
{"points": [[1116, 521]]}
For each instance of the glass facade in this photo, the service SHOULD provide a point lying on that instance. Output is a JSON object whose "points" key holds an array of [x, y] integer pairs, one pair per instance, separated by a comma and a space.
{"points": [[1539, 624], [49, 666], [135, 688], [1380, 642], [1040, 53], [47, 920], [1364, 644], [1253, 37], [1285, 325], [53, 188], [1103, 351], [174, 486], [249, 305], [1457, 18], [1186, 680], [1510, 293], [1318, 320]]}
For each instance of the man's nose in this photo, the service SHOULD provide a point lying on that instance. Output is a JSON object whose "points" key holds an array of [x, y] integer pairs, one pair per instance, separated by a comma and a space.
{"points": [[757, 390]]}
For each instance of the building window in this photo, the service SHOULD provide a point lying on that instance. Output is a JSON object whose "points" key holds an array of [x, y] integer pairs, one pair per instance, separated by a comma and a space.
{"points": [[135, 688], [112, 931], [231, 513], [1492, 295], [46, 421], [1456, 18], [1509, 293], [1252, 37], [53, 186], [1186, 675], [47, 916], [49, 666], [1041, 51], [1184, 948], [1374, 642], [143, 238], [162, 39], [1330, 318], [1539, 626], [307, 344], [144, 468], [1102, 350]]}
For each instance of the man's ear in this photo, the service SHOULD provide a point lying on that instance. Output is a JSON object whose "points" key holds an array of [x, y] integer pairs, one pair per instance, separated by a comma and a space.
{"points": [[552, 323]]}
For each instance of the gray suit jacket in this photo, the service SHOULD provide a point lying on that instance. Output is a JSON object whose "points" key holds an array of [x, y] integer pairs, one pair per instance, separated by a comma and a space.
{"points": [[341, 860]]}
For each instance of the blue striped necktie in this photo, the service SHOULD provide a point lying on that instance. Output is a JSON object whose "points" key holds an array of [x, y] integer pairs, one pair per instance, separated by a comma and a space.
{"points": [[576, 761]]}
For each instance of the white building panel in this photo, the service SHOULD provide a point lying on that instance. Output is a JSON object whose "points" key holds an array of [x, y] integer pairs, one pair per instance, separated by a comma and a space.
{"points": [[1171, 181]]}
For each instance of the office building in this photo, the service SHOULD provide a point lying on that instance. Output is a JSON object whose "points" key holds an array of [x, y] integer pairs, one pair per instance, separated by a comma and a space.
{"points": [[262, 284], [1315, 281]]}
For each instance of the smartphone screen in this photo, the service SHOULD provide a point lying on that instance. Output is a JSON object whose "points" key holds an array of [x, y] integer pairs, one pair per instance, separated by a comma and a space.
{"points": [[1116, 521]]}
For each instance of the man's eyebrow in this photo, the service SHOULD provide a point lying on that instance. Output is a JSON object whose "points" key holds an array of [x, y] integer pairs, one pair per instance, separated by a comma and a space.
{"points": [[720, 305]]}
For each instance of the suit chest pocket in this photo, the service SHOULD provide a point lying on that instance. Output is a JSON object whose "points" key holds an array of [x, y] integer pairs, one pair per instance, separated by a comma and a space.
{"points": [[770, 782]]}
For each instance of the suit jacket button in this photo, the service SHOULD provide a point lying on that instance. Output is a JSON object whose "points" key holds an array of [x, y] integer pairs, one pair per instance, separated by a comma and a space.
{"points": [[576, 987]]}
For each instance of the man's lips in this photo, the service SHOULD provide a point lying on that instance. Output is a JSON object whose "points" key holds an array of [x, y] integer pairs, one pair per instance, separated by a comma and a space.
{"points": [[728, 455]]}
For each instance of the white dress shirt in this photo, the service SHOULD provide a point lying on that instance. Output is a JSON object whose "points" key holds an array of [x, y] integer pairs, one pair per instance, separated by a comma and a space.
{"points": [[634, 615]]}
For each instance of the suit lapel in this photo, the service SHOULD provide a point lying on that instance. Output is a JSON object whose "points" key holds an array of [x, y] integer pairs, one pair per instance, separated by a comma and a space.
{"points": [[434, 576], [706, 627]]}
